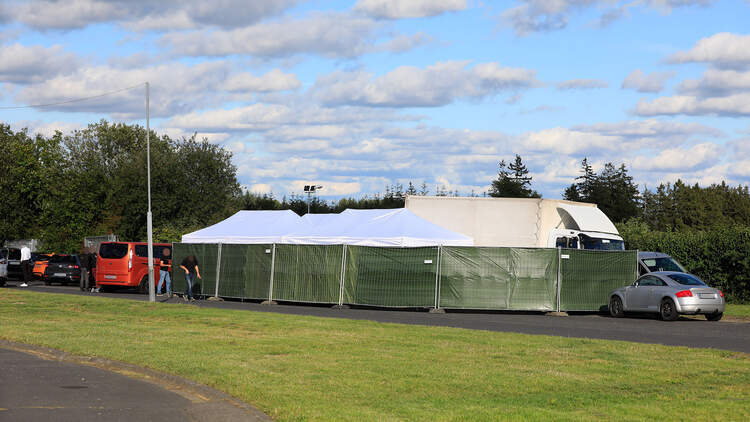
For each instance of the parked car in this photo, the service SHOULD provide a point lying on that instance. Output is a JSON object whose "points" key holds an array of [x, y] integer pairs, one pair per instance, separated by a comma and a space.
{"points": [[40, 264], [657, 261], [668, 293], [62, 269], [125, 264], [3, 267]]}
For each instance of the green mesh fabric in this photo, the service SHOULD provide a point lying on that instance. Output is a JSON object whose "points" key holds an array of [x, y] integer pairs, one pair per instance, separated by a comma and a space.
{"points": [[206, 255], [498, 278], [245, 271], [587, 277], [396, 277], [307, 273]]}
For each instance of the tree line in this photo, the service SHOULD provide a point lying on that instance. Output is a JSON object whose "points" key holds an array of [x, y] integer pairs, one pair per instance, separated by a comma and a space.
{"points": [[62, 188]]}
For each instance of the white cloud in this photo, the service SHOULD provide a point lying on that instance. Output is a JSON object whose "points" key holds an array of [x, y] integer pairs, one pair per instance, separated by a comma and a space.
{"points": [[642, 82], [722, 49], [46, 129], [549, 15], [732, 105], [275, 80], [409, 86], [25, 64], [399, 9], [679, 159], [581, 84], [143, 14], [716, 83], [328, 35]]}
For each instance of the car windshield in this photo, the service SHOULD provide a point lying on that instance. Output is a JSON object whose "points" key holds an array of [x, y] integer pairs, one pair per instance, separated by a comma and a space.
{"points": [[113, 250], [602, 244], [63, 259], [687, 279], [663, 264]]}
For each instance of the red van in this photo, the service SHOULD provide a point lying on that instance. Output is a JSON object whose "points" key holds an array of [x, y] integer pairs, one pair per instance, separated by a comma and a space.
{"points": [[125, 264]]}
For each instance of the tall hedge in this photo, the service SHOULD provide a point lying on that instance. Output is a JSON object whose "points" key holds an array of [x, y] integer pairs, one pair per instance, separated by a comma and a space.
{"points": [[719, 255]]}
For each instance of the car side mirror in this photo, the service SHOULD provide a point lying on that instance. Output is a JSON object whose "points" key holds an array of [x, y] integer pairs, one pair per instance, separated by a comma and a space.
{"points": [[636, 284]]}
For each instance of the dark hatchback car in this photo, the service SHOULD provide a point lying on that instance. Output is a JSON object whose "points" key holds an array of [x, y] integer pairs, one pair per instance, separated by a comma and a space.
{"points": [[63, 269], [13, 256]]}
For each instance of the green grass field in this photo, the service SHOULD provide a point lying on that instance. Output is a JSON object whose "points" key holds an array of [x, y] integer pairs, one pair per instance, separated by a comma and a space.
{"points": [[304, 368], [739, 311]]}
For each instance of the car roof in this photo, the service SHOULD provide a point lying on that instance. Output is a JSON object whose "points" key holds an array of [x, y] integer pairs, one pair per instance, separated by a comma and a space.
{"points": [[642, 255]]}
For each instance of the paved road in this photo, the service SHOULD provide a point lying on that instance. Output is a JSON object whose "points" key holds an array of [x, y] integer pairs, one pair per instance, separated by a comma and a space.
{"points": [[43, 385], [644, 329]]}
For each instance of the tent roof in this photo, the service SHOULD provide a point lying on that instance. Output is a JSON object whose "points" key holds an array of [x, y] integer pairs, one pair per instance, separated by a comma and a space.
{"points": [[246, 227], [378, 227]]}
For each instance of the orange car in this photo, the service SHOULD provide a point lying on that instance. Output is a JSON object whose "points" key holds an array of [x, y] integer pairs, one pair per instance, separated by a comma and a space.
{"points": [[40, 264]]}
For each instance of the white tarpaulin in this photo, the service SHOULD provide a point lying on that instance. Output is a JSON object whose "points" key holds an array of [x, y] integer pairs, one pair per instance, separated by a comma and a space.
{"points": [[248, 227], [380, 227]]}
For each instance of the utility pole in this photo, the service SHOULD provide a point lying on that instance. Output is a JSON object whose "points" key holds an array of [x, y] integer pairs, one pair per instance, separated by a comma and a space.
{"points": [[149, 225]]}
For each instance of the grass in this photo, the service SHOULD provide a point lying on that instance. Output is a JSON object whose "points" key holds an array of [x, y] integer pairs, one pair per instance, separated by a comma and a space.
{"points": [[740, 311], [304, 368]]}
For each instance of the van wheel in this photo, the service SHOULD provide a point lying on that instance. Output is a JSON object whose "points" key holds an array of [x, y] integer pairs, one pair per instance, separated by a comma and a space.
{"points": [[143, 287]]}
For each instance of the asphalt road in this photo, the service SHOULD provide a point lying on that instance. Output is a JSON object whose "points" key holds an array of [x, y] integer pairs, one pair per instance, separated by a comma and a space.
{"points": [[42, 385], [643, 329]]}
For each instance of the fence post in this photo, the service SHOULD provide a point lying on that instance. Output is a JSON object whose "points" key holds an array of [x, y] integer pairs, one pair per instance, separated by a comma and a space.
{"points": [[437, 308], [218, 272], [273, 269], [559, 263], [343, 276]]}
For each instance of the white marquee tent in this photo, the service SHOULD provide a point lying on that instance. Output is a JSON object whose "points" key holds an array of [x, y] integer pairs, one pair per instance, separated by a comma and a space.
{"points": [[379, 227]]}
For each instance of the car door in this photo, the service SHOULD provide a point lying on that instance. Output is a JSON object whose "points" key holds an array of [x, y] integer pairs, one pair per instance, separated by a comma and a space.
{"points": [[639, 294], [658, 291]]}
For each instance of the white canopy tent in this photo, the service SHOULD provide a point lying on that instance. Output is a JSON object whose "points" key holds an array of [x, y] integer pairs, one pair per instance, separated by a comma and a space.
{"points": [[380, 227]]}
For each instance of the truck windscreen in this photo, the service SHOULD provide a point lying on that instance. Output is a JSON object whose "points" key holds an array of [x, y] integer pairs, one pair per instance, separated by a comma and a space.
{"points": [[597, 243]]}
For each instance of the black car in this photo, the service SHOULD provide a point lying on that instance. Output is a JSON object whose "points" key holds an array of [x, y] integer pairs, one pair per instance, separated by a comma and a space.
{"points": [[63, 269]]}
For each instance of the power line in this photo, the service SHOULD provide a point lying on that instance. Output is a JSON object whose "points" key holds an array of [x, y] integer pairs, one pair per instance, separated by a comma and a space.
{"points": [[72, 101]]}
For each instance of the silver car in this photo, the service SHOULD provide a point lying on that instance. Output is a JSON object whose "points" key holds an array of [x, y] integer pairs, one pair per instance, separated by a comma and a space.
{"points": [[668, 293]]}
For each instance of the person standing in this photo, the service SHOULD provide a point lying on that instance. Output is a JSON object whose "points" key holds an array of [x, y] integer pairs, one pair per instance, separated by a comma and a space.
{"points": [[190, 266], [85, 259], [25, 267], [164, 264]]}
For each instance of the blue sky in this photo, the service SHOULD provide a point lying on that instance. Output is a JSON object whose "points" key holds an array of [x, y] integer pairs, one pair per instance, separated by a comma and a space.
{"points": [[356, 95]]}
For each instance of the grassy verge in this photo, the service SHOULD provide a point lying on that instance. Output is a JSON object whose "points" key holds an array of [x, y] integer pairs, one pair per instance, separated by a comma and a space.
{"points": [[739, 311], [304, 368]]}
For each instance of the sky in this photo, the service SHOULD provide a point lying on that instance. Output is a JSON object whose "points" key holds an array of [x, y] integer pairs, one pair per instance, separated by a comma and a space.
{"points": [[361, 94]]}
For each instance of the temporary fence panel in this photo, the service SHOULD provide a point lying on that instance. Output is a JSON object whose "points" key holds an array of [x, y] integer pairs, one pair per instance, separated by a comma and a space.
{"points": [[396, 277], [498, 278], [206, 255], [245, 271], [307, 273], [587, 277]]}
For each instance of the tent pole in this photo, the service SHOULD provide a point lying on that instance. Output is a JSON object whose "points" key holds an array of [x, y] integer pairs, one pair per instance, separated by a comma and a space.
{"points": [[273, 270], [343, 275], [559, 260], [218, 270]]}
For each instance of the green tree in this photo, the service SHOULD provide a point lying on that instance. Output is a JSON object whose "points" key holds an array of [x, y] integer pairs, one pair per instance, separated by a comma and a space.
{"points": [[612, 190], [513, 181]]}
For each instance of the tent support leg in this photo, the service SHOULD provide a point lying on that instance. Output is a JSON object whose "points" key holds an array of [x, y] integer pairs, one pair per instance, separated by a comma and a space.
{"points": [[437, 309], [270, 300]]}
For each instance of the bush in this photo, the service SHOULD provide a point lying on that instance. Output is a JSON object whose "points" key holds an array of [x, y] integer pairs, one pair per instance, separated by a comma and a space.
{"points": [[720, 255]]}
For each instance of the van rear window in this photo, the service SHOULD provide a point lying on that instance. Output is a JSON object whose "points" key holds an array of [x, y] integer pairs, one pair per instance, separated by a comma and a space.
{"points": [[113, 250]]}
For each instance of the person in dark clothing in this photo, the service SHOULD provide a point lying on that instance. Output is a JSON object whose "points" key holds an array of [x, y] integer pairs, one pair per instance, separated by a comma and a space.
{"points": [[164, 264], [190, 266], [85, 258]]}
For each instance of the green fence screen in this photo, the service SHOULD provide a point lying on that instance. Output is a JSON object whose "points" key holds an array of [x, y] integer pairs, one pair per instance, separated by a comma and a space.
{"points": [[245, 271], [396, 277], [498, 278], [587, 277], [206, 255], [307, 273], [455, 277]]}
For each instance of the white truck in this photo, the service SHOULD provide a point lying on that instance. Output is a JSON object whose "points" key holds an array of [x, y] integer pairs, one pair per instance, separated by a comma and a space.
{"points": [[521, 222]]}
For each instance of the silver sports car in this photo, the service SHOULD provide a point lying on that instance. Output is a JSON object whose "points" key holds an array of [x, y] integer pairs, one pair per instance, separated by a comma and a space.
{"points": [[670, 294]]}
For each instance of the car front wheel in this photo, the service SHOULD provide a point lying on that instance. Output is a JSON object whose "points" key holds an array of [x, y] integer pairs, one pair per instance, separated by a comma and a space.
{"points": [[615, 307], [714, 317], [667, 310]]}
